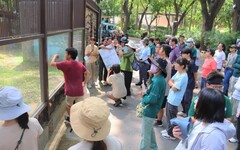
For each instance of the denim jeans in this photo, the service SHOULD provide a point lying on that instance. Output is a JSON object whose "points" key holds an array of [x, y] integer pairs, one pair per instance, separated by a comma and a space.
{"points": [[203, 83], [227, 75], [148, 141]]}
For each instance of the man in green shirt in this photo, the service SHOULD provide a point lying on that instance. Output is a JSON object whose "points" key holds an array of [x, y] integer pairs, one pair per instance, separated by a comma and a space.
{"points": [[153, 99], [152, 46], [214, 80]]}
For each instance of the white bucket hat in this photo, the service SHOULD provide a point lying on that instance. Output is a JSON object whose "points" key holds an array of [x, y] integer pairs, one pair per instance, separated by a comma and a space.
{"points": [[131, 44], [89, 119], [11, 103], [190, 40]]}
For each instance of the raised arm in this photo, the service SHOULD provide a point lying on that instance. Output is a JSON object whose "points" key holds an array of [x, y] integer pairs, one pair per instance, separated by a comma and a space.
{"points": [[53, 61]]}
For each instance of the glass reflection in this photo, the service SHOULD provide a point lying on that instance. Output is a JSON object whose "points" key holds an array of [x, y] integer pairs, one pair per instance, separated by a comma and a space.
{"points": [[56, 45], [19, 67]]}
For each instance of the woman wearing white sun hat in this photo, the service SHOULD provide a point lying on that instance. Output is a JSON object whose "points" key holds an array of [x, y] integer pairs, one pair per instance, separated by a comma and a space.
{"points": [[126, 64], [18, 131], [89, 120]]}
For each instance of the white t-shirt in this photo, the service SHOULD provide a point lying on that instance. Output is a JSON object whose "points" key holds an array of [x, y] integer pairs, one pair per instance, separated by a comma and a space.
{"points": [[118, 85], [112, 144], [219, 57], [10, 135]]}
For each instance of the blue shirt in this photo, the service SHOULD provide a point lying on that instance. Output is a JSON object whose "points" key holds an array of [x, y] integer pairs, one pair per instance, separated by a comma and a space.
{"points": [[180, 83], [144, 53]]}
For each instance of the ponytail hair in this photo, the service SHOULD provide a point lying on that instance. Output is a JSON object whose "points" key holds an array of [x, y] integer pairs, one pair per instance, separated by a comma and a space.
{"points": [[99, 145], [23, 121]]}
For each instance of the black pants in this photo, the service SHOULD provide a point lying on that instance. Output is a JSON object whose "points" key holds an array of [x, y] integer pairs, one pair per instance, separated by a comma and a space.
{"points": [[171, 112], [143, 74], [102, 70], [187, 100], [173, 72], [128, 80]]}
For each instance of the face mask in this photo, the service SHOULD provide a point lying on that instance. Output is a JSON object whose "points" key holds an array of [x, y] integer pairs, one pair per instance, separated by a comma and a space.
{"points": [[187, 45], [153, 69], [128, 50]]}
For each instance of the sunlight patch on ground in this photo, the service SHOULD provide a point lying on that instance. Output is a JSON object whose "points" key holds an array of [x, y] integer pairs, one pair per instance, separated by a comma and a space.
{"points": [[116, 125]]}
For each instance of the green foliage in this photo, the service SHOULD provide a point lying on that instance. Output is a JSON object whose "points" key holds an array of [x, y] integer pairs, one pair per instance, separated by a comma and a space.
{"points": [[110, 7], [224, 19], [135, 33], [160, 33], [211, 39]]}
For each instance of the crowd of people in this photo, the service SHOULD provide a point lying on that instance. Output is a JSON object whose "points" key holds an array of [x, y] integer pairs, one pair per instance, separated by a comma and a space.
{"points": [[168, 71]]}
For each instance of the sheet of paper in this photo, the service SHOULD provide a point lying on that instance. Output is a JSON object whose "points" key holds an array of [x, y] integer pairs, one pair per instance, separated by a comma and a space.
{"points": [[109, 57]]}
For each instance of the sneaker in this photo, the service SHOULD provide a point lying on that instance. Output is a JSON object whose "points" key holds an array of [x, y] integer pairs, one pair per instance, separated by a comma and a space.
{"points": [[158, 123], [89, 86], [168, 137], [104, 83], [164, 131], [118, 102], [182, 114], [138, 84], [232, 140]]}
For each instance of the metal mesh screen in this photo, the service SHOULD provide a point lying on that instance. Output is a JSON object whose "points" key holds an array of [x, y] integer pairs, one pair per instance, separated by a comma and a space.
{"points": [[19, 17], [58, 15]]}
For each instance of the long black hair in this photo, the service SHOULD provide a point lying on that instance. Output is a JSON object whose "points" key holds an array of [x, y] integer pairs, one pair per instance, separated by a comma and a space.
{"points": [[210, 106], [23, 120], [99, 145]]}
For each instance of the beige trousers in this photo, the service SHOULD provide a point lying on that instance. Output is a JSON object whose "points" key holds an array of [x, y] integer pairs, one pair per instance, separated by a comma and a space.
{"points": [[92, 68]]}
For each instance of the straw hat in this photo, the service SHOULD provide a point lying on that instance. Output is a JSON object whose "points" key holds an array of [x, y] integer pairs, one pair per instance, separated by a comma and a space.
{"points": [[11, 103], [89, 119]]}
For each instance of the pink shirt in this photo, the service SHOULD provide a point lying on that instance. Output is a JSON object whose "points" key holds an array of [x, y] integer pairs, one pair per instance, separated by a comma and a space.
{"points": [[73, 75], [208, 66]]}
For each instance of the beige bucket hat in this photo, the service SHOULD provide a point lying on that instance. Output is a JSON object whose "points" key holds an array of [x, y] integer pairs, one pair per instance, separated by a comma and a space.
{"points": [[89, 119]]}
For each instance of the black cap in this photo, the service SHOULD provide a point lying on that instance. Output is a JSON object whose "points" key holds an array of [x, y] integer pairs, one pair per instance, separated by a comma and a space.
{"points": [[161, 64]]}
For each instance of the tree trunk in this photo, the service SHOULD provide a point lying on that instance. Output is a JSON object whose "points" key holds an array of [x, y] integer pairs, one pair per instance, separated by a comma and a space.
{"points": [[191, 19], [126, 23], [210, 9], [136, 19], [236, 16], [175, 29], [140, 21], [177, 8], [127, 12]]}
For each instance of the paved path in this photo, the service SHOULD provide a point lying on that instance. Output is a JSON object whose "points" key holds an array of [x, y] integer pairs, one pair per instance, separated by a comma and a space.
{"points": [[125, 125]]}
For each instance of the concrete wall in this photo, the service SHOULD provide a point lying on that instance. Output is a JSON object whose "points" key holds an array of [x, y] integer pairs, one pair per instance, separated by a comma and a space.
{"points": [[50, 127]]}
